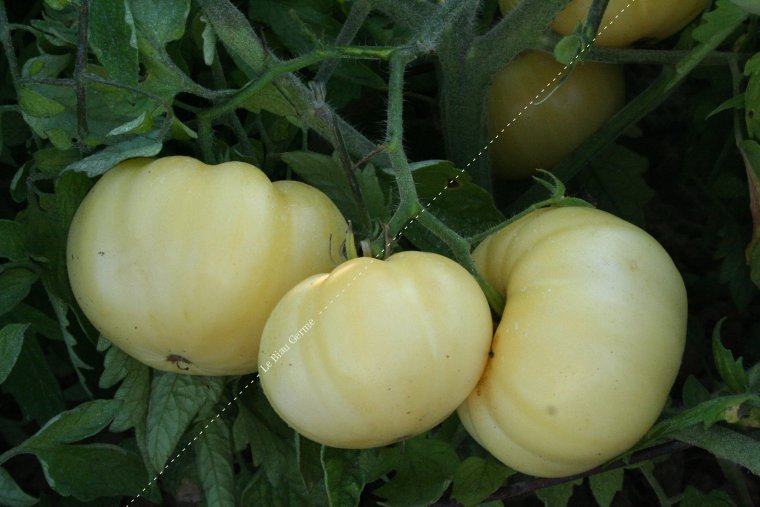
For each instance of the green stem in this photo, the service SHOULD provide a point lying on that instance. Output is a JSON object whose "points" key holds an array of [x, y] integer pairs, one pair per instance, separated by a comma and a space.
{"points": [[594, 20], [5, 40], [409, 205], [662, 498], [354, 21], [239, 98], [460, 248]]}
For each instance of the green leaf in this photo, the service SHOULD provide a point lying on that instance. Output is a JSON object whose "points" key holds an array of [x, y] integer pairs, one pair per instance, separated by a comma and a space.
{"points": [[113, 39], [604, 486], [15, 284], [559, 495], [735, 102], [372, 193], [344, 476], [61, 310], [100, 162], [692, 497], [134, 393], [751, 6], [92, 471], [11, 494], [162, 22], [174, 402], [616, 181], [724, 443], [70, 190], [209, 43], [114, 368], [568, 48], [11, 343], [33, 385], [476, 478], [130, 126], [213, 460], [39, 106], [706, 413], [723, 18], [424, 469], [326, 174], [76, 424], [732, 372], [13, 243], [309, 458]]}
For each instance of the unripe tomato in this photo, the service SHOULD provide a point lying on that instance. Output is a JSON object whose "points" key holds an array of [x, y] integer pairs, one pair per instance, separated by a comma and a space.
{"points": [[376, 351], [588, 346], [626, 21], [179, 263], [543, 134]]}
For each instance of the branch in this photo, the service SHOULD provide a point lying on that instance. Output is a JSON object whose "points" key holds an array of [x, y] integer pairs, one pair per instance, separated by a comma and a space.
{"points": [[5, 39], [356, 16]]}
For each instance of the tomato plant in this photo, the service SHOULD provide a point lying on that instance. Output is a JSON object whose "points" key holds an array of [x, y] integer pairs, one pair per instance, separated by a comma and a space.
{"points": [[383, 107], [565, 111], [648, 20], [358, 376], [176, 261], [589, 344]]}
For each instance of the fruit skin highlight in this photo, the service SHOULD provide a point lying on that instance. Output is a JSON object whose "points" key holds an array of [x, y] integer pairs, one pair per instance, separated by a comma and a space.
{"points": [[394, 348], [589, 344], [179, 263]]}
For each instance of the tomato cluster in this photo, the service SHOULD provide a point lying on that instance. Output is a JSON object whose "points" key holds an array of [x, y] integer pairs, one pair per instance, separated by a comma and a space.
{"points": [[542, 131]]}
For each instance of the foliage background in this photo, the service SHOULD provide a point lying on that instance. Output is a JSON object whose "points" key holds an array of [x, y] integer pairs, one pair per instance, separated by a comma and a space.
{"points": [[343, 94]]}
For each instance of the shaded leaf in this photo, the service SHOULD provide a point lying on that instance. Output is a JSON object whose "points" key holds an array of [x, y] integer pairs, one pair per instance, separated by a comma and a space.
{"points": [[344, 476], [606, 485], [12, 240], [73, 425], [70, 469], [11, 343], [14, 286], [113, 39], [11, 494], [732, 372], [724, 443], [559, 495], [213, 459], [98, 163], [476, 478]]}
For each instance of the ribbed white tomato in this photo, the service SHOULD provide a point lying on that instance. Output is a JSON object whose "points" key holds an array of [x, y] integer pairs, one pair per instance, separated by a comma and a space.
{"points": [[179, 263], [588, 346], [375, 351]]}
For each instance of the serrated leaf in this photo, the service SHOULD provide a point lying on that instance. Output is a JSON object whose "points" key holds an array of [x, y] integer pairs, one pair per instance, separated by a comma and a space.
{"points": [[114, 368], [70, 469], [724, 17], [11, 343], [61, 310], [98, 163], [174, 402], [111, 29], [73, 425], [730, 370], [268, 449], [13, 244], [11, 494], [134, 394], [424, 469], [15, 284], [39, 106], [344, 476], [606, 485], [724, 443], [559, 495], [706, 414], [476, 478], [751, 6], [213, 460]]}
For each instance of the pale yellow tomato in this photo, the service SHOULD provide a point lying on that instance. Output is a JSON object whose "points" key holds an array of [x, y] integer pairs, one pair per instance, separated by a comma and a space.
{"points": [[589, 344], [531, 134], [627, 21], [376, 351], [179, 263]]}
